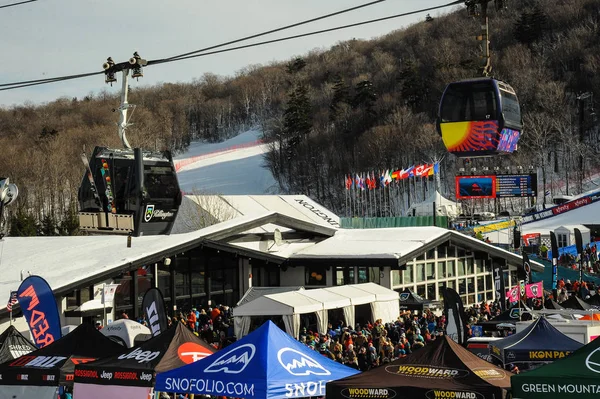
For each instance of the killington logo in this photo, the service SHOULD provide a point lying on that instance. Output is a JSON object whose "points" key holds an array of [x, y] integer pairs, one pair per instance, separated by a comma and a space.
{"points": [[234, 361], [404, 296], [149, 213], [515, 313], [297, 363]]}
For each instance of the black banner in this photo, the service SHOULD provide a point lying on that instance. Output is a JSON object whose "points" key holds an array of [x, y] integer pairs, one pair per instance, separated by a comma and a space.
{"points": [[526, 272], [554, 249], [579, 246], [499, 287], [154, 311], [455, 316]]}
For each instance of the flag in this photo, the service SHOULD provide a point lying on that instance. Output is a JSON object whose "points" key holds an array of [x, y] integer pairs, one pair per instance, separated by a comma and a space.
{"points": [[396, 174], [499, 284], [12, 300], [388, 177], [109, 293], [513, 294], [524, 272], [535, 290], [382, 179], [522, 292], [153, 305], [554, 248], [40, 310], [455, 316], [348, 182], [436, 168]]}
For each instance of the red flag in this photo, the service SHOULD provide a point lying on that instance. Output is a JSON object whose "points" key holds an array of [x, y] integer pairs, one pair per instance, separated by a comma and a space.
{"points": [[348, 182], [535, 290], [513, 294]]}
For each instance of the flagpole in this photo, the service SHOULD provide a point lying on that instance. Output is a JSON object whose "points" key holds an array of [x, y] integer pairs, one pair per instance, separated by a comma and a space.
{"points": [[103, 304]]}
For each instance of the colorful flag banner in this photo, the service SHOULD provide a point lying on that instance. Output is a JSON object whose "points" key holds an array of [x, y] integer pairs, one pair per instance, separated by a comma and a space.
{"points": [[40, 310], [12, 301], [513, 294], [535, 290], [386, 177]]}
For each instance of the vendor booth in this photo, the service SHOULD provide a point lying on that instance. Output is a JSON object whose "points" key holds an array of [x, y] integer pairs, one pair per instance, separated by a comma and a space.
{"points": [[130, 375], [380, 302], [13, 345], [442, 369], [575, 376], [266, 364], [39, 374], [539, 343]]}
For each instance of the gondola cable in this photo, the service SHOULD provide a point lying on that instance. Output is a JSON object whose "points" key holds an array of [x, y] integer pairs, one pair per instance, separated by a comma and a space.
{"points": [[17, 85]]}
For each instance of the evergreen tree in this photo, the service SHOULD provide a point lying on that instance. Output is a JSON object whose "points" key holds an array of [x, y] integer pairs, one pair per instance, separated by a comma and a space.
{"points": [[49, 226], [23, 225], [530, 26], [341, 94], [69, 226]]}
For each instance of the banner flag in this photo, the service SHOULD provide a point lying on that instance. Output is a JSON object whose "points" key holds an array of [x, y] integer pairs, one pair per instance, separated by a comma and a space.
{"points": [[554, 248], [513, 294], [522, 292], [12, 300], [154, 311], [455, 316], [499, 287], [535, 290], [525, 271], [40, 310]]}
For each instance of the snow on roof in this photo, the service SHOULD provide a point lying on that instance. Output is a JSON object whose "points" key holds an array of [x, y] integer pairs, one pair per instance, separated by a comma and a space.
{"points": [[297, 206], [373, 243], [67, 261]]}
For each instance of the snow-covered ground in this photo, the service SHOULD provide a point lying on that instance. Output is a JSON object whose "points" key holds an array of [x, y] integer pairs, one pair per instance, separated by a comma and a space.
{"points": [[232, 167]]}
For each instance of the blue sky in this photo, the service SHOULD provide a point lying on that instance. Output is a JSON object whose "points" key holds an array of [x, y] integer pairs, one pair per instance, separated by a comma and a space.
{"points": [[51, 38]]}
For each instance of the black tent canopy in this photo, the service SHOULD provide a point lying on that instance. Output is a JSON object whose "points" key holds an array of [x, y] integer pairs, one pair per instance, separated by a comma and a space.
{"points": [[137, 366], [575, 303], [13, 345], [442, 369], [541, 342], [552, 304], [54, 364], [412, 301]]}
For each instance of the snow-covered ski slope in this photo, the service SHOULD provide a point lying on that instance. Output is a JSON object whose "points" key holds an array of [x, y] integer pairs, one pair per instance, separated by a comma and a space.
{"points": [[233, 167]]}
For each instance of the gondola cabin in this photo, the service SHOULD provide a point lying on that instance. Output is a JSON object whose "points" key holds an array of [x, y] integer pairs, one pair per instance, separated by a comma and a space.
{"points": [[480, 118], [129, 191]]}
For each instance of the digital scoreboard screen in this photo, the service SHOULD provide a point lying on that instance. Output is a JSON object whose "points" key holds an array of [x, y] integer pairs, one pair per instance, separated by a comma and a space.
{"points": [[496, 186], [508, 186], [468, 187]]}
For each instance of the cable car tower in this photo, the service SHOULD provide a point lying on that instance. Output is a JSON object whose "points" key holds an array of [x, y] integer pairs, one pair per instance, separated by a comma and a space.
{"points": [[128, 191], [480, 117]]}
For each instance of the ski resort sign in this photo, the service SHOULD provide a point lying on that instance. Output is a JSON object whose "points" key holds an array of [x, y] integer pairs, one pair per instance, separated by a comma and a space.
{"points": [[318, 211], [557, 210]]}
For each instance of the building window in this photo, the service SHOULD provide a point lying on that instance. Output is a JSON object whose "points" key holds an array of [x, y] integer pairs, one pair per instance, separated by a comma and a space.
{"points": [[431, 291], [470, 266], [480, 266], [441, 271], [344, 275], [441, 251], [431, 254], [480, 284], [363, 275], [450, 268], [316, 275], [420, 272], [451, 284], [461, 267], [430, 271], [421, 290], [396, 278], [562, 240], [407, 275]]}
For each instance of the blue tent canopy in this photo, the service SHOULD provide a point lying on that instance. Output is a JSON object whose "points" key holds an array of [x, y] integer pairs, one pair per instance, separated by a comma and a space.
{"points": [[541, 342], [266, 363]]}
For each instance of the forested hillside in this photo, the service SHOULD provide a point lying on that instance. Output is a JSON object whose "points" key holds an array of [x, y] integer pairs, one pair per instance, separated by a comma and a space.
{"points": [[359, 106]]}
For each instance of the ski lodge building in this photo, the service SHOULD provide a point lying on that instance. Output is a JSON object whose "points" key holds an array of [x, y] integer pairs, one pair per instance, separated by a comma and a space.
{"points": [[261, 241]]}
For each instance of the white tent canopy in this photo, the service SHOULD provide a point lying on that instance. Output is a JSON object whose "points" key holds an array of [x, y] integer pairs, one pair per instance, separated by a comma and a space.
{"points": [[290, 305], [443, 207]]}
